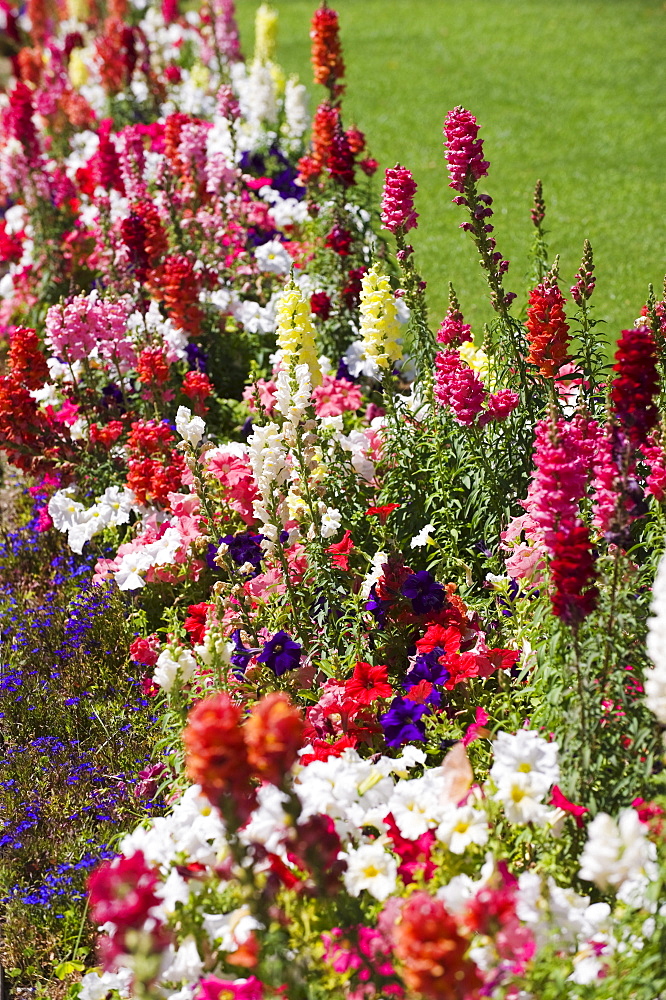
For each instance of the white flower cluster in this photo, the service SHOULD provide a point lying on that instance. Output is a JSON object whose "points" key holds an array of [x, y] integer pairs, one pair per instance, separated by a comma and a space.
{"points": [[525, 768], [190, 428], [271, 469], [129, 572], [81, 523], [655, 676]]}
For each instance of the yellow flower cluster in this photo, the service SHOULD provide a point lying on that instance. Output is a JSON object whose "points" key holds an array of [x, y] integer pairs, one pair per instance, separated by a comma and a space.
{"points": [[265, 33], [380, 329], [296, 334]]}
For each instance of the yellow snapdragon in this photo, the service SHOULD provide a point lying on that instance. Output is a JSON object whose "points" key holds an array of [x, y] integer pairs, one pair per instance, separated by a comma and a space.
{"points": [[296, 334], [380, 329], [265, 33]]}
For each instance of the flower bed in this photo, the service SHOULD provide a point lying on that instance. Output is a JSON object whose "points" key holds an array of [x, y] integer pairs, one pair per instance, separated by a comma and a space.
{"points": [[331, 628]]}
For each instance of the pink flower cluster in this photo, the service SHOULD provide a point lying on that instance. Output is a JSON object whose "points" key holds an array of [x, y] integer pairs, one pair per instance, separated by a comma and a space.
{"points": [[89, 326], [398, 213], [452, 331], [463, 150], [334, 396], [459, 387]]}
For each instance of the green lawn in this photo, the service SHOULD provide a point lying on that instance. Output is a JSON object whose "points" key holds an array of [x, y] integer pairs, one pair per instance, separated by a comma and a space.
{"points": [[569, 91]]}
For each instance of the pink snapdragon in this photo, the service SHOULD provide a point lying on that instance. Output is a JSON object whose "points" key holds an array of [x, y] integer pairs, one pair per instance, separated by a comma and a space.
{"points": [[562, 456], [453, 332], [655, 483], [398, 213], [459, 387], [89, 325], [463, 150]]}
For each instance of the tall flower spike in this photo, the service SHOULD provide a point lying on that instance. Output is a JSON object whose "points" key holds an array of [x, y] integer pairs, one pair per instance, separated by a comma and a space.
{"points": [[327, 62], [636, 384], [464, 150], [575, 593], [379, 325], [547, 328], [295, 332], [398, 213], [584, 283]]}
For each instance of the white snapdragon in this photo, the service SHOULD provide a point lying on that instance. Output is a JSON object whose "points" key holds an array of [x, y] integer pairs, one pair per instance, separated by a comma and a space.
{"points": [[371, 867], [374, 573], [296, 114], [173, 662], [331, 520], [617, 851], [190, 428], [293, 393], [655, 676]]}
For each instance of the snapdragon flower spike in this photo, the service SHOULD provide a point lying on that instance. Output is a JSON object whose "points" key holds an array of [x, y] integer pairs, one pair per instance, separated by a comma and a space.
{"points": [[583, 286], [636, 384], [575, 593], [327, 62], [453, 331], [547, 328], [432, 951], [458, 387], [463, 148], [398, 213]]}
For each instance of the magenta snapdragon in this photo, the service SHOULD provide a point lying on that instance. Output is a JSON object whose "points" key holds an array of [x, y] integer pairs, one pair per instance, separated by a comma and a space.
{"points": [[398, 200], [464, 150]]}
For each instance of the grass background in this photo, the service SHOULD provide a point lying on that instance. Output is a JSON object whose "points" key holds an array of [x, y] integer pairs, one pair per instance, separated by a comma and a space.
{"points": [[569, 91]]}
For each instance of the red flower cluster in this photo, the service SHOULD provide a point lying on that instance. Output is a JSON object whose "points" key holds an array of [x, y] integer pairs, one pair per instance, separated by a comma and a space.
{"points": [[197, 386], [224, 755], [152, 368], [433, 951], [636, 384], [574, 594], [177, 284], [327, 61], [547, 329], [122, 892]]}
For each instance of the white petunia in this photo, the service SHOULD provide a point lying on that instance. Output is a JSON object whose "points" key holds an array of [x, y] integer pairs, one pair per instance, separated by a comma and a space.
{"points": [[97, 986], [521, 800], [116, 504], [461, 827], [423, 537], [414, 807], [133, 564], [617, 852], [524, 753], [64, 510], [273, 257], [371, 867]]}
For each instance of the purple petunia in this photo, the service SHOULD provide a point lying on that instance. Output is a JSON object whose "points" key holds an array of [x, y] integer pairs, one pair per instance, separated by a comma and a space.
{"points": [[402, 723], [427, 596], [281, 654]]}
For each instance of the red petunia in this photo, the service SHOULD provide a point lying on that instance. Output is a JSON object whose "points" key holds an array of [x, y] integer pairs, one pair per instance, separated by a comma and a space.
{"points": [[368, 683], [446, 637], [382, 512], [195, 623], [339, 551], [561, 802]]}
